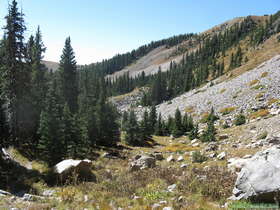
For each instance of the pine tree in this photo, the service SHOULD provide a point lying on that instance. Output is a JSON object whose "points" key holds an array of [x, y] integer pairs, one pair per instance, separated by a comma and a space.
{"points": [[194, 132], [209, 133], [51, 130], [144, 126], [124, 120], [132, 130], [159, 130], [68, 76], [16, 76], [152, 119], [35, 50], [3, 126], [177, 128]]}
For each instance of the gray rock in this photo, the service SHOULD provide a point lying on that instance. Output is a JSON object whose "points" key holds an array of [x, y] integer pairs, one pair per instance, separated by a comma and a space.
{"points": [[171, 188], [221, 156], [145, 161], [170, 158], [259, 177], [167, 208], [4, 193], [184, 165], [67, 167], [29, 197], [48, 193], [180, 158]]}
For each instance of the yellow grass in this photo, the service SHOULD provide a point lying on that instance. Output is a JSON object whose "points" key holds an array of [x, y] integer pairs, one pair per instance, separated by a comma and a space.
{"points": [[260, 113]]}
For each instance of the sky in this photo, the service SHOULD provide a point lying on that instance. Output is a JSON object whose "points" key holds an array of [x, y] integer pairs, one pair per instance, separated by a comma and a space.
{"points": [[100, 29]]}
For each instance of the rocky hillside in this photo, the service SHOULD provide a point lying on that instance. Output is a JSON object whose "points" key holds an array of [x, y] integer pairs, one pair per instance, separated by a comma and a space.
{"points": [[162, 56]]}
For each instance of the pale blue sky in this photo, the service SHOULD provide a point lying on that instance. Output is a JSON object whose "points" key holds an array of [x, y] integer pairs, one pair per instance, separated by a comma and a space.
{"points": [[101, 28]]}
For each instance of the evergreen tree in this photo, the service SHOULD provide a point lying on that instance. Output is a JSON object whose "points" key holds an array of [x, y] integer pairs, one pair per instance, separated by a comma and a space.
{"points": [[194, 132], [132, 130], [152, 119], [145, 127], [177, 128], [51, 130], [187, 123], [35, 50], [16, 79], [3, 125], [209, 133], [68, 76], [124, 120], [159, 130]]}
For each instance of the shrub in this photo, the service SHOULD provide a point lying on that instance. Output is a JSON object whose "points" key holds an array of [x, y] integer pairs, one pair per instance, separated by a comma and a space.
{"points": [[264, 74], [197, 157], [240, 119], [222, 90], [259, 95], [272, 101], [260, 113], [262, 135], [227, 110], [253, 82], [189, 109]]}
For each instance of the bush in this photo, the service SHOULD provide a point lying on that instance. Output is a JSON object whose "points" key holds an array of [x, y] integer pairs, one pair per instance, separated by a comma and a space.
{"points": [[227, 110], [262, 135], [260, 113], [240, 119], [197, 157]]}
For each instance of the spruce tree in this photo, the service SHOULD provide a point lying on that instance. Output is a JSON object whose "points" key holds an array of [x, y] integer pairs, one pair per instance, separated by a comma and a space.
{"points": [[51, 145], [132, 130], [16, 79], [152, 119], [177, 128], [144, 126], [194, 132], [159, 130], [68, 76]]}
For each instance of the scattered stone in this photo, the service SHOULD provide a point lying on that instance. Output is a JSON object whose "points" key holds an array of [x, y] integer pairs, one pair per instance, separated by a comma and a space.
{"points": [[184, 165], [29, 197], [170, 158], [167, 208], [181, 199], [163, 202], [247, 156], [259, 177], [156, 206], [212, 155], [145, 161], [221, 156], [180, 158], [194, 141], [195, 145], [4, 193], [171, 188], [48, 193], [67, 167]]}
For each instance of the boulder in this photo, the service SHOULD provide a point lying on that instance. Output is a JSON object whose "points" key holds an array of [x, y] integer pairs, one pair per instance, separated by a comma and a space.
{"points": [[66, 168], [143, 162], [258, 179], [170, 158], [4, 193], [221, 156], [180, 158]]}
